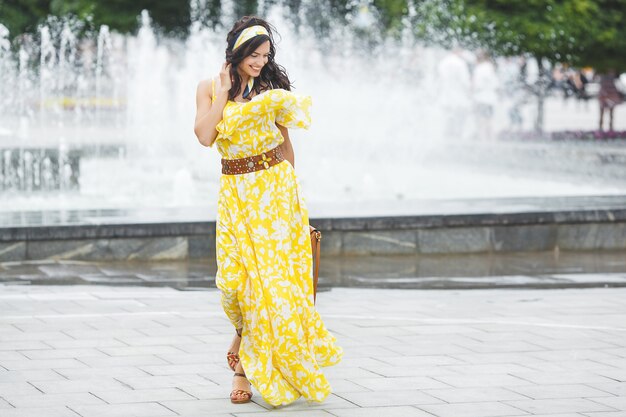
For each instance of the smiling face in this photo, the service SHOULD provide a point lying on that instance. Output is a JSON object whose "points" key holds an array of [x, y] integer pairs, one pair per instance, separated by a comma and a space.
{"points": [[254, 63]]}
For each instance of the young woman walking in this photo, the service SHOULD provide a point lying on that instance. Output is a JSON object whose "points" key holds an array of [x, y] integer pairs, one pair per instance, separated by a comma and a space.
{"points": [[262, 239]]}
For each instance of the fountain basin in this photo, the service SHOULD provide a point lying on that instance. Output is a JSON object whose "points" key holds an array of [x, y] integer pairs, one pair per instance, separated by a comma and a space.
{"points": [[444, 227]]}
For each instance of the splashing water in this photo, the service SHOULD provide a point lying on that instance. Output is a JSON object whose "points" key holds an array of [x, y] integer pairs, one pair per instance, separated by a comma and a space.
{"points": [[108, 122]]}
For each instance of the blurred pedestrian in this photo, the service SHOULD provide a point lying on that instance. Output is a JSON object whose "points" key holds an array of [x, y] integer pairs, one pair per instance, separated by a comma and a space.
{"points": [[454, 84], [513, 89], [485, 95], [609, 96]]}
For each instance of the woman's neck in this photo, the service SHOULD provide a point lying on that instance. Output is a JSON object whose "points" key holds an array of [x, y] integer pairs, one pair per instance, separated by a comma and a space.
{"points": [[244, 78]]}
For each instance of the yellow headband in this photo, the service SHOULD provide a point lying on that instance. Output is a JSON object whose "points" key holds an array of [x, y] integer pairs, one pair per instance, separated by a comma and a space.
{"points": [[249, 33]]}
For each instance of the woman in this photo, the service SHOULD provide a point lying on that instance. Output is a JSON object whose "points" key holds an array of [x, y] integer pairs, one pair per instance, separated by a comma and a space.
{"points": [[262, 238], [609, 96]]}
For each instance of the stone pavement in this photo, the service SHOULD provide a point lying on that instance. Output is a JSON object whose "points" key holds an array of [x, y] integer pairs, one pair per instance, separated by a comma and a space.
{"points": [[91, 351]]}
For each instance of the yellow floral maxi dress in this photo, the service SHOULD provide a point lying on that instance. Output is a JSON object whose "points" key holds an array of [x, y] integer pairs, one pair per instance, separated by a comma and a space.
{"points": [[264, 255]]}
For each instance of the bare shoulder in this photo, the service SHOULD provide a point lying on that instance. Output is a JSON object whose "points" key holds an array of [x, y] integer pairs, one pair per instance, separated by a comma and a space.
{"points": [[204, 86], [205, 89]]}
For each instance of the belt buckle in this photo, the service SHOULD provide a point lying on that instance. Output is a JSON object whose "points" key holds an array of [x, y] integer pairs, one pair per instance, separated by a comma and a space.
{"points": [[265, 160]]}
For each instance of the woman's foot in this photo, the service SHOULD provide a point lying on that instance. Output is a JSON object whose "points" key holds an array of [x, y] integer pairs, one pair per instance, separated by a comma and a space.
{"points": [[242, 390], [232, 356]]}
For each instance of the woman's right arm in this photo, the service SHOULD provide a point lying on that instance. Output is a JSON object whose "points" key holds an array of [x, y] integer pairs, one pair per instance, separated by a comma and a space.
{"points": [[209, 113]]}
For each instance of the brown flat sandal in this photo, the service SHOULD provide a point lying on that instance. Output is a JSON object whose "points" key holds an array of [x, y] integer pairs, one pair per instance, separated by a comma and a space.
{"points": [[232, 358], [239, 396]]}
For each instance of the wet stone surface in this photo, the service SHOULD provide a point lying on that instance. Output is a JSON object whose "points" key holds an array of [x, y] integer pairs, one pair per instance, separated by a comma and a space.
{"points": [[513, 270]]}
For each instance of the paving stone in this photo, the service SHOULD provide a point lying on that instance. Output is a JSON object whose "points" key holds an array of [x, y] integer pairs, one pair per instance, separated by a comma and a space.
{"points": [[617, 375], [508, 346], [30, 375], [567, 366], [97, 373], [472, 395], [569, 405], [210, 406], [123, 350], [157, 341], [116, 361], [350, 373], [170, 381], [9, 355], [41, 364], [124, 410], [613, 387], [583, 343], [83, 343], [57, 411], [484, 380], [182, 369], [482, 409], [398, 383], [402, 411], [442, 353], [179, 330], [426, 360], [571, 377], [340, 386], [558, 415], [390, 398], [408, 371], [303, 413], [332, 402], [183, 358], [63, 354], [5, 405], [67, 386], [29, 335], [494, 368], [17, 388], [52, 400], [206, 392], [122, 396], [23, 345], [618, 403]]}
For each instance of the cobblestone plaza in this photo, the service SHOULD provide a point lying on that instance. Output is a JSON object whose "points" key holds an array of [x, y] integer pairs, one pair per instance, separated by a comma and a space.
{"points": [[137, 351]]}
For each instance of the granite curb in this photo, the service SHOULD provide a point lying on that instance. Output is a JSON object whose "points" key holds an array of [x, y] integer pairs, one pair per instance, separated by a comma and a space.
{"points": [[573, 230]]}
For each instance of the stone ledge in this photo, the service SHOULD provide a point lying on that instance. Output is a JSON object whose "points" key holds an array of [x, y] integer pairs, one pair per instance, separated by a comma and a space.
{"points": [[198, 241], [358, 224]]}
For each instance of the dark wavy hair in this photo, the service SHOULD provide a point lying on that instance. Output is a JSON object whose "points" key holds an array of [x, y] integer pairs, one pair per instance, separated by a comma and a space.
{"points": [[272, 75]]}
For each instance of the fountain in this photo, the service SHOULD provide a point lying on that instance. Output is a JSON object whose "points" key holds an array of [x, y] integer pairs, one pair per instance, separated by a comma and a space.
{"points": [[107, 122]]}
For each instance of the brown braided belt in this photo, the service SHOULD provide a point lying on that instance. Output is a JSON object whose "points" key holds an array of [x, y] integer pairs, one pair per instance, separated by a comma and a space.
{"points": [[252, 163]]}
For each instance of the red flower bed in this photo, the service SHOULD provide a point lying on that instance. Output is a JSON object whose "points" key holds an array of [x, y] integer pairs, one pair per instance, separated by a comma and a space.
{"points": [[565, 135]]}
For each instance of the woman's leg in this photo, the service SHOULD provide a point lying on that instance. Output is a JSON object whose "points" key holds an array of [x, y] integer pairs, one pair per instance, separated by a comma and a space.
{"points": [[240, 383], [601, 116]]}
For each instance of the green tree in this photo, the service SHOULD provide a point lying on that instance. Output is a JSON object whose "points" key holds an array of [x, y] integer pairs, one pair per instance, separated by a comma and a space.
{"points": [[21, 16], [576, 32], [605, 45], [122, 15], [391, 14]]}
